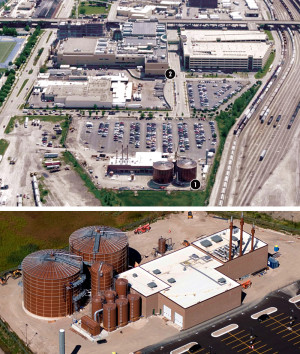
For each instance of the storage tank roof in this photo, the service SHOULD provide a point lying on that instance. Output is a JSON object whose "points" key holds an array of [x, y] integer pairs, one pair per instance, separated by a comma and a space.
{"points": [[186, 163], [51, 264], [163, 165], [98, 239]]}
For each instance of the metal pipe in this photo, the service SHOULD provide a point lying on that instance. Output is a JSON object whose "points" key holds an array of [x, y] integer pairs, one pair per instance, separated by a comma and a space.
{"points": [[100, 274], [241, 234], [96, 313], [61, 341], [230, 238], [252, 238]]}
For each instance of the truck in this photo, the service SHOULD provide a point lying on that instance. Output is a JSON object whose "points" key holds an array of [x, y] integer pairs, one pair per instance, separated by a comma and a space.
{"points": [[262, 155], [26, 123], [49, 155]]}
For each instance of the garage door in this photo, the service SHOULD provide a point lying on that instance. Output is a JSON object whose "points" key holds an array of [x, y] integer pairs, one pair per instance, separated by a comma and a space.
{"points": [[167, 312], [178, 319]]}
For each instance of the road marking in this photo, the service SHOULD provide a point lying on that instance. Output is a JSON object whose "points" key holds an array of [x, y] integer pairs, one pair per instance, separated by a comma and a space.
{"points": [[246, 335], [294, 299], [224, 330], [275, 320], [267, 311], [266, 351], [296, 343]]}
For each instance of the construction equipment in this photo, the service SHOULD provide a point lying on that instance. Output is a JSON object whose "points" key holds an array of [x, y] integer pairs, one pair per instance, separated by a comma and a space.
{"points": [[142, 229], [185, 243], [246, 284], [15, 274], [190, 215]]}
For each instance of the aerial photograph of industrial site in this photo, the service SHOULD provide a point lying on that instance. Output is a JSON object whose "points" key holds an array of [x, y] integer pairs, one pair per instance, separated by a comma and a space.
{"points": [[149, 103], [149, 282]]}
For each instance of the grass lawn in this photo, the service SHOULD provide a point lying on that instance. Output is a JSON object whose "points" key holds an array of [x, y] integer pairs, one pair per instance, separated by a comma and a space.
{"points": [[24, 232], [24, 83], [5, 50], [269, 34], [261, 73], [94, 10], [3, 146]]}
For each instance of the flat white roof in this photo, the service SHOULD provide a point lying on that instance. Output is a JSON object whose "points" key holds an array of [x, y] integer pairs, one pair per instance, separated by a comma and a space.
{"points": [[196, 278], [217, 248], [140, 159], [223, 36]]}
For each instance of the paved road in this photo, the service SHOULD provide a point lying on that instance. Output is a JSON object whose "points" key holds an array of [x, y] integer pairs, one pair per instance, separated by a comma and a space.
{"points": [[272, 336]]}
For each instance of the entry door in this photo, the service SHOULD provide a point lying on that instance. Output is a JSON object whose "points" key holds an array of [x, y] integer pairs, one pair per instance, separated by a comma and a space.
{"points": [[178, 319], [167, 312]]}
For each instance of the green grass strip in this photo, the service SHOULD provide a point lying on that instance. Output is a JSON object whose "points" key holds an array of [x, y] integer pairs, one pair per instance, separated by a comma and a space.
{"points": [[261, 73], [3, 146], [23, 85]]}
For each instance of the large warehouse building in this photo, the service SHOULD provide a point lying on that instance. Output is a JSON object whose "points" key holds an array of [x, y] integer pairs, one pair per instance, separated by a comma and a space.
{"points": [[214, 50], [206, 4], [197, 283], [143, 44]]}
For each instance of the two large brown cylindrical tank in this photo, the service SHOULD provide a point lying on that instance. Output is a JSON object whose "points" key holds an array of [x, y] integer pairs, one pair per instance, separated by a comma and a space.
{"points": [[97, 304], [134, 307], [101, 277], [163, 172], [122, 309], [121, 286], [186, 170], [110, 317], [162, 245]]}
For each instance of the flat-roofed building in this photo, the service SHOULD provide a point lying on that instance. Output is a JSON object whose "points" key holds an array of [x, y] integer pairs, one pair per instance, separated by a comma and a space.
{"points": [[194, 284], [84, 94], [151, 53], [225, 50], [67, 29], [204, 4]]}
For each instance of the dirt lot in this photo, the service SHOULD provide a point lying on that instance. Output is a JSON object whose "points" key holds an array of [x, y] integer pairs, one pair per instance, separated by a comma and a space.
{"points": [[152, 330], [66, 188]]}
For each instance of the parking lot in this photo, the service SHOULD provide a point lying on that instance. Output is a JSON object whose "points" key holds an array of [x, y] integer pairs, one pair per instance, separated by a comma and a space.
{"points": [[277, 333], [190, 137], [210, 94]]}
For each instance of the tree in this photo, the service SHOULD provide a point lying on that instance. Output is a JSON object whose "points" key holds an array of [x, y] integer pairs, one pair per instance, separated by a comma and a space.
{"points": [[142, 116], [27, 28], [167, 114], [90, 112], [82, 11], [95, 107], [150, 115], [103, 113]]}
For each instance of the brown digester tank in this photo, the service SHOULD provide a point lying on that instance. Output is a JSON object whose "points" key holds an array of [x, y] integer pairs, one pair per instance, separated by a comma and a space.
{"points": [[186, 170], [163, 172], [47, 278], [110, 317], [97, 304], [101, 277], [121, 286], [162, 245], [101, 243], [134, 307], [110, 296], [122, 308]]}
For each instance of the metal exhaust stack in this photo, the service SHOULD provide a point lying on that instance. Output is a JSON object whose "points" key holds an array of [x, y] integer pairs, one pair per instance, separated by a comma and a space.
{"points": [[241, 234], [230, 238], [252, 238], [61, 341]]}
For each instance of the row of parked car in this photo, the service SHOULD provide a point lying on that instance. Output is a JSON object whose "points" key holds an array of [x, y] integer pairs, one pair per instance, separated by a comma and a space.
{"points": [[167, 138], [151, 136], [184, 142], [103, 129], [119, 131], [135, 133]]}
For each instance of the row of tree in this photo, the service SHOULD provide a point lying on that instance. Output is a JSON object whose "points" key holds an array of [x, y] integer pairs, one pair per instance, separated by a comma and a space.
{"points": [[28, 47], [7, 31], [5, 89]]}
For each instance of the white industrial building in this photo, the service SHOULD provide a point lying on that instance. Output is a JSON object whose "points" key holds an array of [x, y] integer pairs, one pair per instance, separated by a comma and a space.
{"points": [[225, 50]]}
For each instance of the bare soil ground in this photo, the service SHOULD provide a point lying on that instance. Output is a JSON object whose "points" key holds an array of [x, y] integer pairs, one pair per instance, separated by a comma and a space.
{"points": [[65, 187], [154, 329]]}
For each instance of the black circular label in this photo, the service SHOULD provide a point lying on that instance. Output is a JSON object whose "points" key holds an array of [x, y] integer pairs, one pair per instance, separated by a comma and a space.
{"points": [[195, 184], [170, 74]]}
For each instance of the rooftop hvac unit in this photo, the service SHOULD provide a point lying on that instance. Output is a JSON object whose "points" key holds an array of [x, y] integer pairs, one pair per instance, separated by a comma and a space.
{"points": [[222, 281], [152, 285], [171, 280], [157, 271]]}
